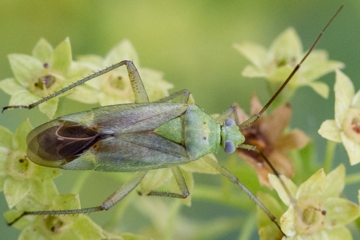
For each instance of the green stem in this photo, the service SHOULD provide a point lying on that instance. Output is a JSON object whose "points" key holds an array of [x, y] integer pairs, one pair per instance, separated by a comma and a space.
{"points": [[80, 181], [172, 217], [352, 179], [329, 157], [119, 213], [248, 227]]}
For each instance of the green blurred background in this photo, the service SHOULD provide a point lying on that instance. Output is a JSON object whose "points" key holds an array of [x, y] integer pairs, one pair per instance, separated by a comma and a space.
{"points": [[191, 42]]}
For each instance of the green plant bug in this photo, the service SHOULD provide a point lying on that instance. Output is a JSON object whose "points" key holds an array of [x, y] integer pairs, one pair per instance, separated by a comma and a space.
{"points": [[141, 136]]}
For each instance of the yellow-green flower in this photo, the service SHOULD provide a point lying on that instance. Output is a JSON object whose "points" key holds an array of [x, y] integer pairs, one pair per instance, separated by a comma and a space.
{"points": [[46, 71], [115, 87], [19, 177], [346, 126], [317, 211], [276, 63]]}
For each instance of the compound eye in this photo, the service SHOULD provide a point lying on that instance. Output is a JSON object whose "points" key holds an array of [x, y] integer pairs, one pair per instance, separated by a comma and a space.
{"points": [[229, 122], [229, 147]]}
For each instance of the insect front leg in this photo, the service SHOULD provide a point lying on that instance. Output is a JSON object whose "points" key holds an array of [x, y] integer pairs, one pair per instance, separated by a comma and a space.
{"points": [[181, 183], [134, 76], [253, 148], [232, 178], [117, 196], [221, 118]]}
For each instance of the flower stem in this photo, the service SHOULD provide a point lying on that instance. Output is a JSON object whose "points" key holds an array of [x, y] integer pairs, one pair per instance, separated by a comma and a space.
{"points": [[248, 227], [352, 179], [329, 155], [80, 181]]}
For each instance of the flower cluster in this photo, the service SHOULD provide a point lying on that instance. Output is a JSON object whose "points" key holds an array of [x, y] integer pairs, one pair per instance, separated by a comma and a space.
{"points": [[276, 64], [312, 205], [30, 187], [316, 209]]}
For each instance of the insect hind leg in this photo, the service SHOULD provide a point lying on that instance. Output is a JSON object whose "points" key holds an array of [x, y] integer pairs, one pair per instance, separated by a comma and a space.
{"points": [[181, 183], [182, 96], [114, 198]]}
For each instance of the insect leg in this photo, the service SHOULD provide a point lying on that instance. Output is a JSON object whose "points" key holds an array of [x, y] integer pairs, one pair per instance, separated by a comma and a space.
{"points": [[236, 181], [135, 79], [181, 183], [117, 196], [221, 118], [253, 148], [136, 83], [181, 96]]}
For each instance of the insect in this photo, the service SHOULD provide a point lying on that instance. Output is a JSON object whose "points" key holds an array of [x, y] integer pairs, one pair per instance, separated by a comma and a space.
{"points": [[139, 137]]}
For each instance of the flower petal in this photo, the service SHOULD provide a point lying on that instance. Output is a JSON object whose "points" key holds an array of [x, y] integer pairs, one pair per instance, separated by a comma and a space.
{"points": [[286, 46], [275, 182], [43, 51], [287, 222], [10, 86], [49, 107], [330, 130], [344, 92], [317, 65], [320, 88], [24, 67], [352, 149], [296, 139], [15, 191], [312, 187], [200, 166], [19, 139], [252, 72], [62, 57], [154, 179], [122, 51], [274, 125], [335, 182], [255, 53], [339, 212], [23, 97], [356, 101], [6, 138]]}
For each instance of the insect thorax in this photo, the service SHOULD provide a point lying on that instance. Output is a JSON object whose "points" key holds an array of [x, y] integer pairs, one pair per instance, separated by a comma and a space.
{"points": [[198, 132]]}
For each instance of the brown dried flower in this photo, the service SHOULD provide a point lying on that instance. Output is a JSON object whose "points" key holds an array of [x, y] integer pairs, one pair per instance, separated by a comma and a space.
{"points": [[267, 134]]}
